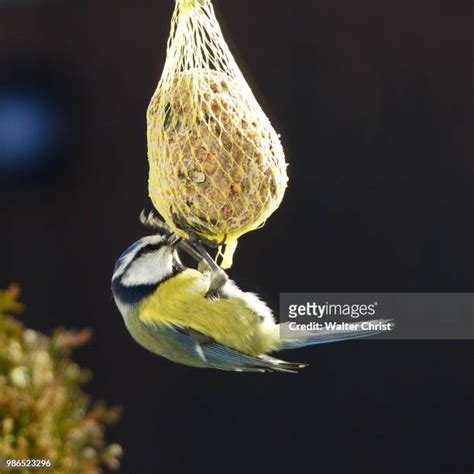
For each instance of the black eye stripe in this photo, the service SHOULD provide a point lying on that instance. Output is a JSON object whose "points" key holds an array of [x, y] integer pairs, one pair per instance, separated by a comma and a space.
{"points": [[148, 249]]}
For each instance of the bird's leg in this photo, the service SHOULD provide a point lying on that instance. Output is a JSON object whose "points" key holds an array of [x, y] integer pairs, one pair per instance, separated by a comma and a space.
{"points": [[218, 276]]}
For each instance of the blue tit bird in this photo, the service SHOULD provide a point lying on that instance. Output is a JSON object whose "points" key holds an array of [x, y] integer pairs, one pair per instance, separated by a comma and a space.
{"points": [[199, 318]]}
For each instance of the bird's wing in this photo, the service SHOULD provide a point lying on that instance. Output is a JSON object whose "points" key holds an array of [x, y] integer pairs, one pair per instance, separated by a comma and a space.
{"points": [[215, 355]]}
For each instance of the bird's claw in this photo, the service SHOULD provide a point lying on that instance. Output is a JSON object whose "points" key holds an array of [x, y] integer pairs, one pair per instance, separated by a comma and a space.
{"points": [[153, 221], [193, 233], [218, 280]]}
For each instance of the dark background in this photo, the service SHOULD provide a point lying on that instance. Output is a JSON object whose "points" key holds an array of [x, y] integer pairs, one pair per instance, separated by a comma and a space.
{"points": [[374, 100]]}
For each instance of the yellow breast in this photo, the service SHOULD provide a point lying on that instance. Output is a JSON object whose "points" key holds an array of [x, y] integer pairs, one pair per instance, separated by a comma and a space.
{"points": [[182, 301]]}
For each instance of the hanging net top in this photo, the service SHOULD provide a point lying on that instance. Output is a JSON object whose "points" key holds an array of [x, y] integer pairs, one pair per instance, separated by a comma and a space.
{"points": [[216, 163]]}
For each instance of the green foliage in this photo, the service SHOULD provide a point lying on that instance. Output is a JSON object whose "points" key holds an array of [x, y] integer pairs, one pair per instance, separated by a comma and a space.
{"points": [[44, 414]]}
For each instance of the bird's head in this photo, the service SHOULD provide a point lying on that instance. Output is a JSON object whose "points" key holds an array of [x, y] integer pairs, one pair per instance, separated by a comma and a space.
{"points": [[143, 266]]}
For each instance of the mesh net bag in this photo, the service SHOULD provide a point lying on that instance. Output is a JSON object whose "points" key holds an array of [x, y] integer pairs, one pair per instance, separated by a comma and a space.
{"points": [[216, 163]]}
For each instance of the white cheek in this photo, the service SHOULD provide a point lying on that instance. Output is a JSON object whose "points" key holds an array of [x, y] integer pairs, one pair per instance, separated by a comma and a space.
{"points": [[124, 262], [149, 269]]}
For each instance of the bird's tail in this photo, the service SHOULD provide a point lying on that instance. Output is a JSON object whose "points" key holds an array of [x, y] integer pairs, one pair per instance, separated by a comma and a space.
{"points": [[336, 335]]}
